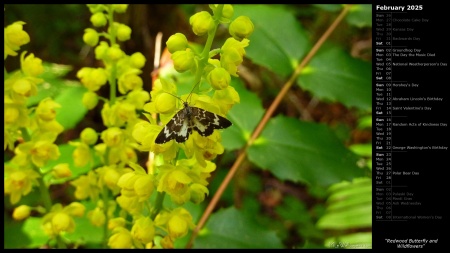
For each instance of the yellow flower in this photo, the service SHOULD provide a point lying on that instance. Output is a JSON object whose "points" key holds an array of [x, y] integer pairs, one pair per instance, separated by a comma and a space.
{"points": [[143, 230], [31, 66], [177, 42], [90, 100], [46, 109], [15, 37], [19, 182], [81, 155], [97, 217], [86, 186], [232, 54], [62, 170], [174, 180], [42, 151], [116, 222], [178, 222], [129, 81], [92, 78], [60, 219], [120, 239], [113, 136], [201, 22], [241, 28]]}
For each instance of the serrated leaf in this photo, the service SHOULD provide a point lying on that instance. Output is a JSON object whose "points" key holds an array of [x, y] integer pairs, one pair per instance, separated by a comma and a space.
{"points": [[231, 229], [303, 152], [244, 122], [278, 41], [72, 110], [335, 76]]}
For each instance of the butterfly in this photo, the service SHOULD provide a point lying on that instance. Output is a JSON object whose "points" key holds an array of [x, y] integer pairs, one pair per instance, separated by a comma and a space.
{"points": [[191, 118]]}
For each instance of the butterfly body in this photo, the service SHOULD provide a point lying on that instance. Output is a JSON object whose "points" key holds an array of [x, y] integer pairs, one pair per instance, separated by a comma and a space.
{"points": [[191, 118]]}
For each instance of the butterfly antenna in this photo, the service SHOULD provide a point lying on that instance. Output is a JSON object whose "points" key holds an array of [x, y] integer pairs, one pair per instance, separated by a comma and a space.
{"points": [[190, 94]]}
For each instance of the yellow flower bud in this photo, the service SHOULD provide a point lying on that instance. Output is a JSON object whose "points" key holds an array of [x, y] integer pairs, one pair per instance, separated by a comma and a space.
{"points": [[227, 11], [120, 8], [90, 100], [198, 193], [177, 226], [201, 23], [11, 114], [46, 109], [81, 155], [21, 212], [98, 19], [177, 42], [62, 170], [138, 98], [144, 186], [24, 87], [143, 230], [90, 36], [241, 28], [165, 103], [62, 222], [167, 242], [32, 66], [112, 136], [114, 53], [116, 222], [111, 177], [183, 60], [92, 78], [75, 209], [97, 217], [93, 8], [89, 136], [129, 82], [137, 60], [121, 239], [219, 78], [123, 32], [100, 50]]}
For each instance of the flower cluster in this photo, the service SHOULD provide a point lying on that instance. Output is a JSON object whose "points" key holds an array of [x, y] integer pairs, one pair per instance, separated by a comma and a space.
{"points": [[30, 132], [185, 180]]}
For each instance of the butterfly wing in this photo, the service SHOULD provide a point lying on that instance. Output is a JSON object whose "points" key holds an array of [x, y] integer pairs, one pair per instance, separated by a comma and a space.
{"points": [[205, 122], [177, 128]]}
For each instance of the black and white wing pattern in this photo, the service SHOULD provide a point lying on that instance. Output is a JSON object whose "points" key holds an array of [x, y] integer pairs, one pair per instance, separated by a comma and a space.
{"points": [[188, 118]]}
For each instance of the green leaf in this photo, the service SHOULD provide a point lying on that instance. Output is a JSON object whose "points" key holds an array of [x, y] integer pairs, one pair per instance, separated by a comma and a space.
{"points": [[66, 152], [244, 122], [230, 228], [85, 232], [34, 235], [360, 15], [351, 241], [349, 206], [334, 75], [72, 109], [303, 152], [16, 237], [278, 41], [52, 84]]}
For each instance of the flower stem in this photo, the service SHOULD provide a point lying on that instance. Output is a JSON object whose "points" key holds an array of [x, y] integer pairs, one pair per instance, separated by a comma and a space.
{"points": [[158, 204], [45, 195]]}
